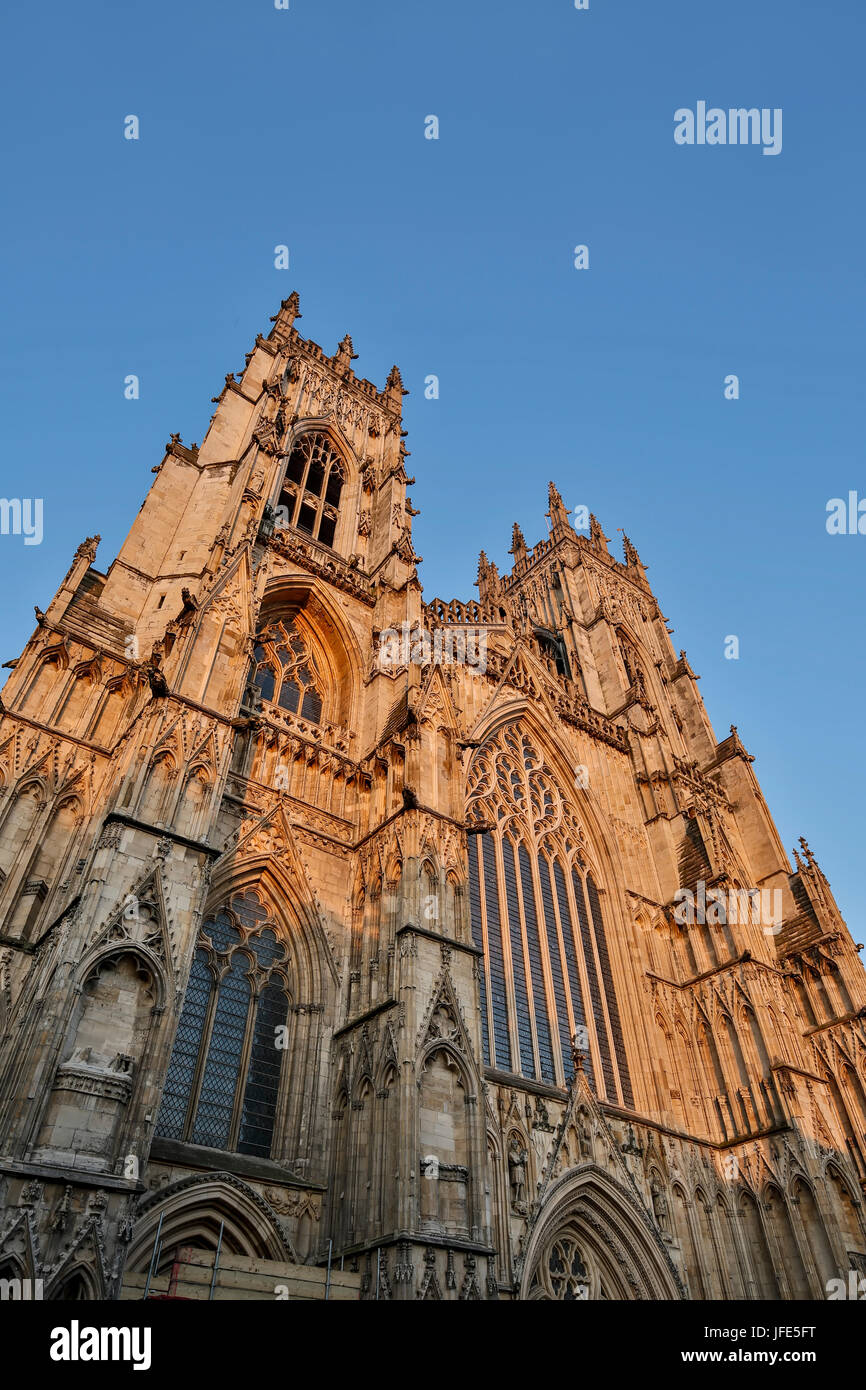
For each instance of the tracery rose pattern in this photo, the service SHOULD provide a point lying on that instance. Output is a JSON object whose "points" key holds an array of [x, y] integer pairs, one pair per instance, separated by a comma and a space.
{"points": [[508, 780]]}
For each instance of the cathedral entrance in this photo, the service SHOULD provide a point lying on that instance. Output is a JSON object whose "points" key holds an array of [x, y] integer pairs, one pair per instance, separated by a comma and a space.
{"points": [[591, 1241]]}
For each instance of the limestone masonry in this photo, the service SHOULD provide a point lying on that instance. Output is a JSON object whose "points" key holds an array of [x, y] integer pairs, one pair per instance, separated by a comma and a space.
{"points": [[335, 922]]}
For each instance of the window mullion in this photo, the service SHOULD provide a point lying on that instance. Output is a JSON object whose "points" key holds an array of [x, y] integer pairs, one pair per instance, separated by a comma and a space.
{"points": [[527, 963], [485, 959], [505, 915], [321, 507], [302, 487], [583, 973], [243, 1069], [203, 1049]]}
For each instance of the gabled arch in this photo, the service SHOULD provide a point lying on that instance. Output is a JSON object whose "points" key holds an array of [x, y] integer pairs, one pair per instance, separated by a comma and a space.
{"points": [[323, 624], [290, 899], [78, 1283], [612, 1234], [193, 1210], [104, 952]]}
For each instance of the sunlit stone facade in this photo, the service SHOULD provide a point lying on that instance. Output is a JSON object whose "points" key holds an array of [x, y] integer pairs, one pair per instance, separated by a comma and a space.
{"points": [[446, 938]]}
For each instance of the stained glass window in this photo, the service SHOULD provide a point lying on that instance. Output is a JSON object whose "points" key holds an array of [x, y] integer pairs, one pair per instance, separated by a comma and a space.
{"points": [[567, 1272], [223, 1079], [285, 671], [610, 992], [498, 990], [263, 1076], [542, 1023], [187, 1046], [518, 969], [478, 940], [529, 884]]}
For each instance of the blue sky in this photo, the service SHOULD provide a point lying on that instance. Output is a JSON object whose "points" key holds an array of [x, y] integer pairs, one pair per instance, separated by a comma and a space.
{"points": [[305, 127]]}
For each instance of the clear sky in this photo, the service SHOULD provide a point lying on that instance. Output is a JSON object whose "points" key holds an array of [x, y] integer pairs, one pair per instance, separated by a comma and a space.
{"points": [[305, 127]]}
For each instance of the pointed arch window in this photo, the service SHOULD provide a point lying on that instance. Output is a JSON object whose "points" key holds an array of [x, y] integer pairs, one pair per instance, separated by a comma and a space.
{"points": [[312, 487], [285, 671], [537, 915], [222, 1084]]}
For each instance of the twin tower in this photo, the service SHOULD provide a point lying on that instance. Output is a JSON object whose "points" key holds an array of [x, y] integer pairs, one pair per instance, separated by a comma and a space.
{"points": [[339, 925]]}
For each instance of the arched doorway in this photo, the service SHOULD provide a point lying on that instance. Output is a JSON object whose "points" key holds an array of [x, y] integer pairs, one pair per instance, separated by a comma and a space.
{"points": [[591, 1241], [201, 1213]]}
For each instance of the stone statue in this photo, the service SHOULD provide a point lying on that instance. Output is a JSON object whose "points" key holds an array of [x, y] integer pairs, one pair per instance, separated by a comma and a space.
{"points": [[660, 1205], [517, 1161]]}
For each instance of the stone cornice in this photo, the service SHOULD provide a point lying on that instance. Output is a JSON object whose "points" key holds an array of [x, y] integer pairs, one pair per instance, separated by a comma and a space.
{"points": [[326, 564]]}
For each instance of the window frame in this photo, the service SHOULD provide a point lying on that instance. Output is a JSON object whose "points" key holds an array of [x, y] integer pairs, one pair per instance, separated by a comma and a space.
{"points": [[276, 635], [218, 963], [316, 447]]}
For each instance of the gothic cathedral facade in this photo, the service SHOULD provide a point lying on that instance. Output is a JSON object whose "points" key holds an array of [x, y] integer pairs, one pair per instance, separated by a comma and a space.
{"points": [[444, 940]]}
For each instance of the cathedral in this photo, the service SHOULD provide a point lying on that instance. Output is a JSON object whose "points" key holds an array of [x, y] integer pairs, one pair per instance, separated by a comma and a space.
{"points": [[358, 945]]}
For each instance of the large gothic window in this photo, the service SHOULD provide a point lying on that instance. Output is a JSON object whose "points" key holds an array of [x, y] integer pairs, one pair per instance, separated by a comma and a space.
{"points": [[311, 490], [285, 671], [223, 1079], [537, 915]]}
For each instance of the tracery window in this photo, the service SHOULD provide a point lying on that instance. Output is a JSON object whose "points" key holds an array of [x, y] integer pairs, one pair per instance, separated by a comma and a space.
{"points": [[569, 1271], [223, 1080], [552, 646], [311, 489], [537, 915], [566, 1271], [285, 671]]}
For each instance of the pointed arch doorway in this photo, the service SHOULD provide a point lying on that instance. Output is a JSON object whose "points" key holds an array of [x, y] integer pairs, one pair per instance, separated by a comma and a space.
{"points": [[591, 1241]]}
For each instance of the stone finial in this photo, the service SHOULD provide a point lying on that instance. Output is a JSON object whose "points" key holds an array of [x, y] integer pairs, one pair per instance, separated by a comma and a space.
{"points": [[289, 310], [394, 389], [631, 556], [518, 544], [738, 745], [807, 852], [345, 355], [87, 549], [596, 535], [557, 511], [488, 581], [578, 1055]]}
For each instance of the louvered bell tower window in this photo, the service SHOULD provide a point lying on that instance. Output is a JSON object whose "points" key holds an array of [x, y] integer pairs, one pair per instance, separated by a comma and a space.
{"points": [[223, 1080], [537, 915], [312, 486]]}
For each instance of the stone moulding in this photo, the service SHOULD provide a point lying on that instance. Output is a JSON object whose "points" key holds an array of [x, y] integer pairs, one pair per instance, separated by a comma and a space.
{"points": [[86, 1082]]}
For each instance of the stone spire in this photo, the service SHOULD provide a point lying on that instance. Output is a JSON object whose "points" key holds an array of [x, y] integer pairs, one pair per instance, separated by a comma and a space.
{"points": [[557, 512], [633, 560], [345, 355], [289, 311], [596, 535], [631, 555], [394, 389], [488, 581], [518, 544]]}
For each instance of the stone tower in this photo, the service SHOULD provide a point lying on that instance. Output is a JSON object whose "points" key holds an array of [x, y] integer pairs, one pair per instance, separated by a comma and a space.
{"points": [[445, 938]]}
